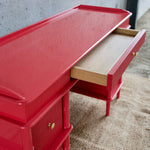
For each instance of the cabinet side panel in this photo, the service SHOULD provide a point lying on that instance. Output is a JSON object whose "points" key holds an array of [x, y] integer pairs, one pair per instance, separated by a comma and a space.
{"points": [[10, 137]]}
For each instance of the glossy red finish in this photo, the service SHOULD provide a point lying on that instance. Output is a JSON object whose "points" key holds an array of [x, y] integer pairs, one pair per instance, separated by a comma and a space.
{"points": [[90, 89], [23, 112], [35, 65], [63, 138], [10, 136], [66, 111], [42, 134], [66, 144], [32, 59], [36, 133], [125, 24]]}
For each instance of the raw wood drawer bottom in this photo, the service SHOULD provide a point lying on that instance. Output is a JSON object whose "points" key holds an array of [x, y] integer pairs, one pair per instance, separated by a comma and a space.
{"points": [[100, 71]]}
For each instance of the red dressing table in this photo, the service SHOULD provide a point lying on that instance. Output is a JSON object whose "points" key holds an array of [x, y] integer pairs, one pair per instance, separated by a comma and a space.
{"points": [[82, 50]]}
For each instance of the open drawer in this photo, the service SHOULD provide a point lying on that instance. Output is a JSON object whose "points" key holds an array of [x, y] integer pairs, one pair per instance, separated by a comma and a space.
{"points": [[100, 71], [118, 48]]}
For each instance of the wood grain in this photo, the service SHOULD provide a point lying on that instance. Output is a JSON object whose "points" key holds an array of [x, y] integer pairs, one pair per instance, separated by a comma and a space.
{"points": [[89, 76], [128, 32]]}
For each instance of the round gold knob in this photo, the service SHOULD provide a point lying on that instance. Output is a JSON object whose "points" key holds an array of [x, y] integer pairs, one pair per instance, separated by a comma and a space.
{"points": [[52, 126], [134, 53], [49, 124]]}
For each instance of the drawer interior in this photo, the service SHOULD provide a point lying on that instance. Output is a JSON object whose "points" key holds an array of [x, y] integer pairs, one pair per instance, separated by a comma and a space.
{"points": [[95, 66]]}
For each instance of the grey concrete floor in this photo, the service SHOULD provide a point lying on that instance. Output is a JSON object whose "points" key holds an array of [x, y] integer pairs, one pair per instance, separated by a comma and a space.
{"points": [[141, 64]]}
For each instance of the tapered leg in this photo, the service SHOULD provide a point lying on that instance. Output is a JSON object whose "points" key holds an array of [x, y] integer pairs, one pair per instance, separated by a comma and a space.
{"points": [[66, 144], [118, 94], [66, 112], [107, 107]]}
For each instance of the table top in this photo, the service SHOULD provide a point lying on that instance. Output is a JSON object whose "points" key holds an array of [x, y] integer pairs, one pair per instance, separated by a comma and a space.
{"points": [[33, 58]]}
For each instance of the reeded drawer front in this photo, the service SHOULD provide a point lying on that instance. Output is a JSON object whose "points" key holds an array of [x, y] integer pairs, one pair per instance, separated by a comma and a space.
{"points": [[48, 128], [119, 48]]}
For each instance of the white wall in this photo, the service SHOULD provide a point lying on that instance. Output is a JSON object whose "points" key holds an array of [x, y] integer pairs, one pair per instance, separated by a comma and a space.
{"points": [[143, 6], [16, 14]]}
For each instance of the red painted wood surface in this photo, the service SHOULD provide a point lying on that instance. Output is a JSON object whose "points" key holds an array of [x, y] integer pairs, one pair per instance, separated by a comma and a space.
{"points": [[24, 111], [42, 134], [35, 58], [10, 136], [36, 133], [125, 24], [35, 65], [66, 111], [64, 137]]}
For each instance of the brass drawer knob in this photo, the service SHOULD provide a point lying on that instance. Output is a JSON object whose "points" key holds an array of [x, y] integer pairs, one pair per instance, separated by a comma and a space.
{"points": [[51, 125], [134, 53]]}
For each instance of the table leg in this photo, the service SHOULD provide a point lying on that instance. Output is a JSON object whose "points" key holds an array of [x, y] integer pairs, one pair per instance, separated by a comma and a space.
{"points": [[118, 94], [108, 107], [66, 111]]}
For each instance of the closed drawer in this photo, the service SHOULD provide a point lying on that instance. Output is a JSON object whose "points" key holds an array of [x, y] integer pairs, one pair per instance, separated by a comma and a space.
{"points": [[46, 130], [111, 56]]}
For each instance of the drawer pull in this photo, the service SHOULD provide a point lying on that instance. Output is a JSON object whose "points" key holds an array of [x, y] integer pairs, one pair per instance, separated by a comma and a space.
{"points": [[134, 53], [51, 125]]}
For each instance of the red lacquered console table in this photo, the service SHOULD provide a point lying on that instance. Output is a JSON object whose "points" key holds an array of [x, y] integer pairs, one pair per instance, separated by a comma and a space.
{"points": [[41, 63]]}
